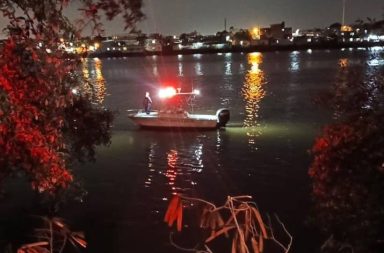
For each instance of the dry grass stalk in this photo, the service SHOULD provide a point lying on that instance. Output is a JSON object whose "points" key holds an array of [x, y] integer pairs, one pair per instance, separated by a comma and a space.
{"points": [[243, 222], [53, 237]]}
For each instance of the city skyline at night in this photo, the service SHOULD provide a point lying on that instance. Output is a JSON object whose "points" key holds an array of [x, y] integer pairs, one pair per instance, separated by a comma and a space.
{"points": [[207, 17]]}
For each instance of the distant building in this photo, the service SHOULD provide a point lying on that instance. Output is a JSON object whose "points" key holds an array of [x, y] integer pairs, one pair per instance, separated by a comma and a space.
{"points": [[377, 31], [153, 45], [123, 46], [309, 36], [215, 42], [124, 43], [277, 34], [242, 38]]}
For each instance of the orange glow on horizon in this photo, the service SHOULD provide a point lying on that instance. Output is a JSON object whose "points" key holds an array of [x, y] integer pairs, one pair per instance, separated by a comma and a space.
{"points": [[256, 33], [346, 28]]}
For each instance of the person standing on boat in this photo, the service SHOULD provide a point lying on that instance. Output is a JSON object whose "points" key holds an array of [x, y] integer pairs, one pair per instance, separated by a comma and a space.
{"points": [[147, 103]]}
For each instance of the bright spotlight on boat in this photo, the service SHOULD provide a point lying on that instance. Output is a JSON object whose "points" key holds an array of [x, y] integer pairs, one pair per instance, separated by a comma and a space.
{"points": [[196, 92], [167, 92], [75, 91]]}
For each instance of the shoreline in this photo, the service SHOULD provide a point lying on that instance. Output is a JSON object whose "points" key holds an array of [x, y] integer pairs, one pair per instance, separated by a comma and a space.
{"points": [[238, 49]]}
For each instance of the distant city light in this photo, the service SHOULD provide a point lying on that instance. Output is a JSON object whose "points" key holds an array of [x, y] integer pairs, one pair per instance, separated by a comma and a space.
{"points": [[256, 33], [346, 28], [296, 33], [373, 37], [198, 45], [274, 35]]}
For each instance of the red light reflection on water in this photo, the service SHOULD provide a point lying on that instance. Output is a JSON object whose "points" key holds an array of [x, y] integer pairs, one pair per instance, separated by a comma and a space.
{"points": [[171, 172]]}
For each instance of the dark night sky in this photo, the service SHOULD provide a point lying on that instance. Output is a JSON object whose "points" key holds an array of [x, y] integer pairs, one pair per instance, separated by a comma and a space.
{"points": [[207, 16]]}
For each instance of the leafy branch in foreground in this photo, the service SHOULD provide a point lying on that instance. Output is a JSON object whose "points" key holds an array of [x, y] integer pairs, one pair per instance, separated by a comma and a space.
{"points": [[46, 122], [238, 219]]}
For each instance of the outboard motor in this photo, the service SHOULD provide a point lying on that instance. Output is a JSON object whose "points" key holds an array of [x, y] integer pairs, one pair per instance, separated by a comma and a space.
{"points": [[222, 117]]}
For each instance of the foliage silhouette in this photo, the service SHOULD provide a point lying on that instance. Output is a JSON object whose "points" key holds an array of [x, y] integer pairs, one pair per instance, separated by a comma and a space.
{"points": [[348, 166], [46, 122]]}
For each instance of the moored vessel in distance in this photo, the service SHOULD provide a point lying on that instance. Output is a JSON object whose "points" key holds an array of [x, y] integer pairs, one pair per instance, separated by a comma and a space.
{"points": [[177, 116]]}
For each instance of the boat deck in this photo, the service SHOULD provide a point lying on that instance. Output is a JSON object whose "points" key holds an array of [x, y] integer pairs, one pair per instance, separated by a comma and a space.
{"points": [[180, 119]]}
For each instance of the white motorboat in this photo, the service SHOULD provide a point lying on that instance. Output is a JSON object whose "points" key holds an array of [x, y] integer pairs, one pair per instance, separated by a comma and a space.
{"points": [[178, 117]]}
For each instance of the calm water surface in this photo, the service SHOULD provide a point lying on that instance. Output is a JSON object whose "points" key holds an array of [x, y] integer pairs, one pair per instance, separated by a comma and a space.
{"points": [[263, 152]]}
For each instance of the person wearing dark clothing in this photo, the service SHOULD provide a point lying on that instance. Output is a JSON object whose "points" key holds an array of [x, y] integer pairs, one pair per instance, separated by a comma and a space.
{"points": [[147, 103]]}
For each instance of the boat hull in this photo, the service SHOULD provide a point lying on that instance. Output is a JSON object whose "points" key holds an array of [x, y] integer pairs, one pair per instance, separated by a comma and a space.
{"points": [[187, 121]]}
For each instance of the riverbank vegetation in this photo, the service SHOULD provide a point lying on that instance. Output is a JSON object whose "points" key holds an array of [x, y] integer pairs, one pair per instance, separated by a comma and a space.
{"points": [[238, 219], [348, 166], [46, 121]]}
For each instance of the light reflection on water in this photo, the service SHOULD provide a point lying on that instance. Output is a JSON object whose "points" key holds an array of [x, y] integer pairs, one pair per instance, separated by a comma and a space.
{"points": [[295, 64], [343, 62], [275, 88], [181, 72], [351, 72], [95, 82], [198, 69], [174, 171], [155, 70], [253, 92]]}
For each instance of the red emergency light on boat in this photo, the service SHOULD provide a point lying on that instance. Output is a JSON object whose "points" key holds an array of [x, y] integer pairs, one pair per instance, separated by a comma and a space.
{"points": [[169, 92]]}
